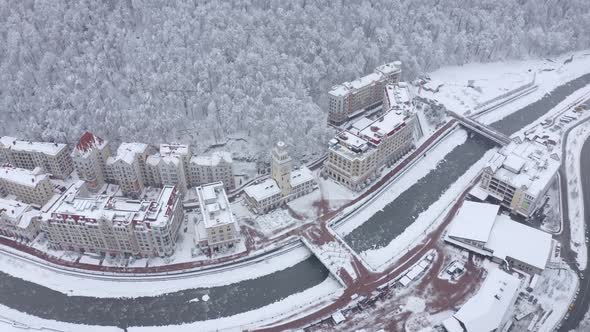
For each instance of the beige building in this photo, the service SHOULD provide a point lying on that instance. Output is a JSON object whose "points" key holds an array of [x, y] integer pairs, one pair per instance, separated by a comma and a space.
{"points": [[169, 167], [90, 157], [114, 225], [356, 155], [284, 184], [54, 158], [19, 220], [128, 168], [350, 98], [518, 176], [216, 229], [32, 187], [216, 167]]}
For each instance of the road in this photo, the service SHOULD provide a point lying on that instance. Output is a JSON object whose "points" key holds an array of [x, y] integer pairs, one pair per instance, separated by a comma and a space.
{"points": [[580, 306]]}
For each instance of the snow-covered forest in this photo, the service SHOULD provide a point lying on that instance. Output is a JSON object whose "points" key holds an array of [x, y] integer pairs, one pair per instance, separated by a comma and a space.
{"points": [[200, 71]]}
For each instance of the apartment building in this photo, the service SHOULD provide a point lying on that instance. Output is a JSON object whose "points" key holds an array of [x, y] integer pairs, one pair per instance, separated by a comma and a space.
{"points": [[351, 161], [29, 186], [114, 225], [349, 98], [284, 184], [356, 155], [128, 168], [19, 220], [216, 167], [169, 167], [216, 230], [90, 158], [54, 158], [518, 176]]}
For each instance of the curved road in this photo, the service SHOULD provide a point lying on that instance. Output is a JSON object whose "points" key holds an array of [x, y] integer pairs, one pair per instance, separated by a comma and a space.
{"points": [[580, 306]]}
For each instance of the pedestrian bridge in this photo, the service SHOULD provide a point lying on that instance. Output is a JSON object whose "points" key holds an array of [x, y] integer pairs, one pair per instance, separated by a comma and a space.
{"points": [[481, 129]]}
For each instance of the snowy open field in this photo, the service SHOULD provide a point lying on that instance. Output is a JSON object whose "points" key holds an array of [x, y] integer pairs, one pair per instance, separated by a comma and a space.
{"points": [[494, 79], [84, 285]]}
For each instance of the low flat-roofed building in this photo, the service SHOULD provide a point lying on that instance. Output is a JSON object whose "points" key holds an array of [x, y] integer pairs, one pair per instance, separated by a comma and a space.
{"points": [[518, 176], [217, 228], [114, 225], [29, 186], [478, 227], [54, 158], [488, 310], [19, 220]]}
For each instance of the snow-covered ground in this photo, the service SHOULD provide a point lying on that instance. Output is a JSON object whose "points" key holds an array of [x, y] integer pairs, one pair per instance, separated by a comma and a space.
{"points": [[83, 285], [494, 79], [550, 298], [575, 141], [14, 321]]}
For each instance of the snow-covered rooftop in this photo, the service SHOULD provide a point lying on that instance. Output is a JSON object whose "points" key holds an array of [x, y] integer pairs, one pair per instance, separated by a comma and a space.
{"points": [[526, 164], [214, 205], [12, 208], [502, 236], [117, 209], [23, 176], [485, 311], [474, 221], [361, 124], [47, 148], [387, 124], [213, 160], [18, 212], [398, 96], [300, 176], [521, 242], [265, 189], [128, 151], [174, 149], [392, 67], [350, 145], [343, 89], [88, 141]]}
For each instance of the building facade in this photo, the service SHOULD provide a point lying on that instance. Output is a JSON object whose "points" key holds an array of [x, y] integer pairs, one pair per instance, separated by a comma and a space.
{"points": [[31, 187], [112, 225], [349, 98], [216, 167], [128, 168], [90, 157], [356, 155], [19, 220], [169, 167], [54, 158], [284, 184], [216, 230], [519, 175]]}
